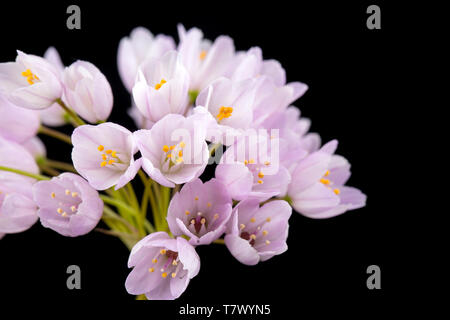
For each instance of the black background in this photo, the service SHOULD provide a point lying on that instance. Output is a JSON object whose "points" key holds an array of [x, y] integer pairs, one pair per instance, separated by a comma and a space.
{"points": [[353, 75]]}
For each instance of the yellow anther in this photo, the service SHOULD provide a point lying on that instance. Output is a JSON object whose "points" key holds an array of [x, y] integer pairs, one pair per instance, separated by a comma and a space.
{"points": [[252, 220], [326, 173], [224, 112], [59, 210], [53, 195], [73, 208], [265, 233], [267, 242], [242, 226], [174, 274], [267, 163], [182, 144], [187, 212], [104, 163], [111, 161], [172, 147], [180, 153], [104, 157], [174, 262], [74, 194], [268, 219], [155, 260], [337, 191], [114, 154], [202, 55], [165, 148], [203, 221], [196, 198], [164, 274], [261, 175], [64, 214], [100, 148], [260, 181], [67, 192], [253, 237], [180, 159], [163, 251], [251, 161], [159, 85], [169, 155], [108, 151], [30, 76], [325, 181], [246, 162], [193, 221], [216, 216], [151, 269], [209, 204]]}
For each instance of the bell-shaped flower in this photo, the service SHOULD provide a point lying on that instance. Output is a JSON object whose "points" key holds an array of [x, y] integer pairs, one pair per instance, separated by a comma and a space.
{"points": [[54, 116], [88, 91], [253, 166], [258, 233], [30, 82], [17, 208], [163, 267], [204, 61], [68, 204], [200, 211], [174, 150], [16, 123], [104, 155], [161, 87], [317, 189], [135, 49], [230, 105]]}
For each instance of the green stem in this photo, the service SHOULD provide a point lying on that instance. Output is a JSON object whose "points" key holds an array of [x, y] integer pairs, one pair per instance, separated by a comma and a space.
{"points": [[25, 173], [60, 165], [48, 170], [71, 113], [118, 203], [55, 134]]}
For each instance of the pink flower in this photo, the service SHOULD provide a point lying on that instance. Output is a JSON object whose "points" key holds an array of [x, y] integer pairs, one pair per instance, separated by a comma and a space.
{"points": [[17, 209], [88, 91], [174, 150], [258, 233], [135, 49], [68, 204], [161, 87], [16, 123], [30, 82], [204, 61], [103, 155], [200, 211], [317, 189], [163, 267]]}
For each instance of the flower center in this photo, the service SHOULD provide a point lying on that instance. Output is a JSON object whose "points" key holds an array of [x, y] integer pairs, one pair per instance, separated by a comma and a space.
{"points": [[167, 262], [202, 55], [109, 156], [328, 182], [31, 77], [256, 170], [224, 112], [174, 154], [159, 85], [67, 203], [252, 232]]}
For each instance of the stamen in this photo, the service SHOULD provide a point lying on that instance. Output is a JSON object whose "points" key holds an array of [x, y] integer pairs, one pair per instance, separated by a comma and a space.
{"points": [[100, 148], [267, 242], [174, 262], [209, 204], [59, 210], [251, 161], [187, 212], [53, 195], [111, 161], [73, 208], [154, 260], [252, 236], [246, 162], [268, 219], [163, 251], [224, 112], [203, 221], [242, 226], [252, 220], [174, 274], [265, 233], [164, 274], [74, 194], [67, 192], [261, 175], [151, 269], [326, 173], [159, 85], [216, 216], [267, 163], [182, 144], [165, 148], [337, 191], [64, 214], [260, 181], [196, 198], [325, 181], [108, 151], [202, 55], [104, 163]]}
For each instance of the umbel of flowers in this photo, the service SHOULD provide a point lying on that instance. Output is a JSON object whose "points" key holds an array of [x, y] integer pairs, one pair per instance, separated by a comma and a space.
{"points": [[195, 103]]}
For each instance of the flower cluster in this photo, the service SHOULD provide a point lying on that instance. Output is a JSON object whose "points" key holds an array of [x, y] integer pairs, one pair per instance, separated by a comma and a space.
{"points": [[195, 103]]}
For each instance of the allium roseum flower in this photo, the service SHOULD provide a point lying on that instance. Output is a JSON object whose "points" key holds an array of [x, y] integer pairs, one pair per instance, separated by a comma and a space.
{"points": [[54, 116], [317, 189], [163, 267], [30, 82], [135, 49], [252, 167], [161, 87], [174, 150], [17, 208], [88, 91], [68, 204], [258, 233], [16, 123], [200, 211], [103, 155], [204, 61]]}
